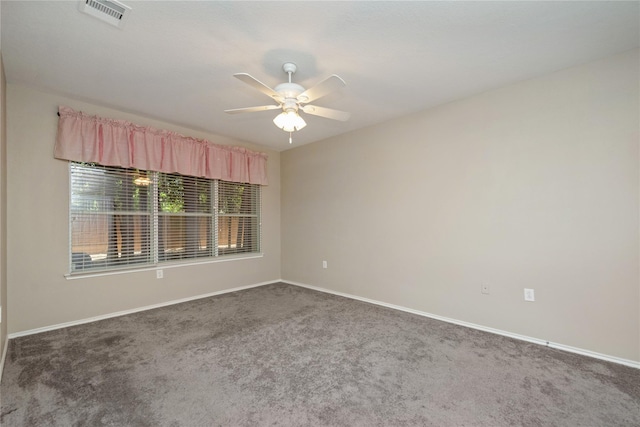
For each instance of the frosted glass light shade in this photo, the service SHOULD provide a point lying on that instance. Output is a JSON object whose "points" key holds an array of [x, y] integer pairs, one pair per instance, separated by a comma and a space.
{"points": [[289, 121]]}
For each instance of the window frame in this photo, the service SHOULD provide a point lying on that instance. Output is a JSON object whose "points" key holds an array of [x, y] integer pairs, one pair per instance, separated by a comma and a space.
{"points": [[154, 213]]}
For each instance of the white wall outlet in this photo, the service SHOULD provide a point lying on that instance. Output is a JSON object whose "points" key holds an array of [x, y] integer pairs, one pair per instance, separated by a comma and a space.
{"points": [[159, 274], [484, 288], [529, 295], [324, 264]]}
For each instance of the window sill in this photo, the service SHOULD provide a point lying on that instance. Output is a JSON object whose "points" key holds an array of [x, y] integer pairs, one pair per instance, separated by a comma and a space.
{"points": [[163, 266]]}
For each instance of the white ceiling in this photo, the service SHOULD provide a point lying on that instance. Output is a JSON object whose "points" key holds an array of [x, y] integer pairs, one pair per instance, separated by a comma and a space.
{"points": [[175, 61]]}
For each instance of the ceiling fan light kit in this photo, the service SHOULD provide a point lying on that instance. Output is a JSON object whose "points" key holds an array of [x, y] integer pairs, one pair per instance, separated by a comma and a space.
{"points": [[291, 97], [289, 121]]}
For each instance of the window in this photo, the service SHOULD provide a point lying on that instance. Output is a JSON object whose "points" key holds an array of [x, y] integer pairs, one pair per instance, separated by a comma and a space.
{"points": [[121, 218]]}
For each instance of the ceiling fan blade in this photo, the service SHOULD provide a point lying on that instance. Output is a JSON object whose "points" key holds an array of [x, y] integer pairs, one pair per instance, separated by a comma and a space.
{"points": [[323, 88], [252, 109], [257, 84], [329, 113]]}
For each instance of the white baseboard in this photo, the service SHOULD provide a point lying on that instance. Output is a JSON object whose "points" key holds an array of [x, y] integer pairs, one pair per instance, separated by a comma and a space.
{"points": [[4, 356], [131, 311], [558, 346]]}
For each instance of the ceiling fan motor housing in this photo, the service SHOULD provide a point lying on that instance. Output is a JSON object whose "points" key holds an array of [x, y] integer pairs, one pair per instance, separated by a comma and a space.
{"points": [[290, 104], [289, 90]]}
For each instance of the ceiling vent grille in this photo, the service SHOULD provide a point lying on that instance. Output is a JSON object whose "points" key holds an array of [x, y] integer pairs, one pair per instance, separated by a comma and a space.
{"points": [[110, 11]]}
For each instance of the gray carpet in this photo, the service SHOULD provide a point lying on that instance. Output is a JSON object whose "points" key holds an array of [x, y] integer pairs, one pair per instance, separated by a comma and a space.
{"points": [[281, 355]]}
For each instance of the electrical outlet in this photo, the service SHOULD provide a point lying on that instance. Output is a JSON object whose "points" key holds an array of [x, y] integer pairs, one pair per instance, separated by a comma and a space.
{"points": [[484, 288], [159, 274], [324, 264], [529, 295]]}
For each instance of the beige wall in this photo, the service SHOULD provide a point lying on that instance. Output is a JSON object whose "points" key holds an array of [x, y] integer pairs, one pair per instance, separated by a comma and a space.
{"points": [[38, 234], [3, 209], [534, 185]]}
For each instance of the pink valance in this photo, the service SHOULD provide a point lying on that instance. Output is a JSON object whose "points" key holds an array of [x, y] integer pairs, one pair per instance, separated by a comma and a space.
{"points": [[84, 138]]}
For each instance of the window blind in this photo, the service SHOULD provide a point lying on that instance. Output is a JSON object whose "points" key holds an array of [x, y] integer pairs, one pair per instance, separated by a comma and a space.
{"points": [[185, 217], [123, 218], [110, 217], [238, 227]]}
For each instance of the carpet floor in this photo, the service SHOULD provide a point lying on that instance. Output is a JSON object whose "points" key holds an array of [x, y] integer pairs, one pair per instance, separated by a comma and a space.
{"points": [[281, 355]]}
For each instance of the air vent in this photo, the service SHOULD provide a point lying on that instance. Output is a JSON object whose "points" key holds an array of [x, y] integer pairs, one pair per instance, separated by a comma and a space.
{"points": [[110, 11]]}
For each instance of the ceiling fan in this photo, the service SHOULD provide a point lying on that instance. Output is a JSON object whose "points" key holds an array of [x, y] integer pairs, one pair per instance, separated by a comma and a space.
{"points": [[293, 98]]}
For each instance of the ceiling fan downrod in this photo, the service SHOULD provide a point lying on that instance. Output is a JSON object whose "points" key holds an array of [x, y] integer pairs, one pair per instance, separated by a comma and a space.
{"points": [[290, 68]]}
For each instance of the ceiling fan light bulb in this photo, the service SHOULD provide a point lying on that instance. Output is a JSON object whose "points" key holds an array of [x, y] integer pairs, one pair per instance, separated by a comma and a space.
{"points": [[289, 121], [300, 123], [282, 122]]}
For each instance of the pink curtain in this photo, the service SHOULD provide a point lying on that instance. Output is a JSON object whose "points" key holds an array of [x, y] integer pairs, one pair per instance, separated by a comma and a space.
{"points": [[108, 142]]}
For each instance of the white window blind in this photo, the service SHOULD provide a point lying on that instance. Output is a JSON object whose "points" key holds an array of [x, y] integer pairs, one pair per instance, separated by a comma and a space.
{"points": [[185, 217], [121, 218], [238, 221]]}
